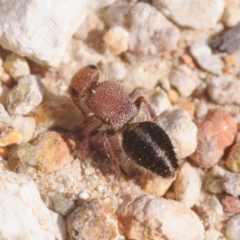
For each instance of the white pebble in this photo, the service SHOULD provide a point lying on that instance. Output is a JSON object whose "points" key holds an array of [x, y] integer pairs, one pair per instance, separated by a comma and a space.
{"points": [[84, 195], [233, 228], [25, 96], [40, 30], [232, 183], [202, 53], [181, 130], [23, 214], [146, 217], [16, 66], [184, 80], [197, 14], [59, 226], [24, 125], [187, 186], [149, 31]]}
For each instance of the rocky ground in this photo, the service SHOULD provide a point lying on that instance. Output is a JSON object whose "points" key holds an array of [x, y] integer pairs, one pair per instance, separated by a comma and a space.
{"points": [[184, 55]]}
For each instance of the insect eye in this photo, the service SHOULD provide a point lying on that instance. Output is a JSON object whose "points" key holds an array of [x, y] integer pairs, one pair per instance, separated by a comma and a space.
{"points": [[73, 92], [92, 67]]}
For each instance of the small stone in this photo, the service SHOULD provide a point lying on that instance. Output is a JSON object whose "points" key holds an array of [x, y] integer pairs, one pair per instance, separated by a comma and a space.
{"points": [[150, 33], [156, 185], [40, 31], [21, 157], [183, 79], [202, 53], [62, 205], [59, 226], [93, 220], [10, 137], [173, 96], [144, 217], [231, 16], [52, 151], [233, 160], [188, 60], [4, 90], [233, 228], [84, 195], [89, 171], [197, 14], [58, 112], [24, 125], [23, 214], [216, 132], [16, 66], [228, 42], [215, 186], [25, 96], [160, 101], [231, 204], [232, 183], [181, 130], [187, 186], [224, 89], [4, 119], [116, 38], [188, 106]]}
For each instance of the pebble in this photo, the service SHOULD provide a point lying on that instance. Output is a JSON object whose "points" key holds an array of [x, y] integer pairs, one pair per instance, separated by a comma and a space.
{"points": [[61, 204], [188, 106], [24, 125], [10, 137], [187, 186], [156, 185], [22, 209], [183, 79], [228, 41], [144, 217], [216, 132], [231, 16], [4, 119], [4, 90], [197, 14], [224, 89], [21, 157], [52, 151], [57, 112], [150, 33], [232, 183], [160, 101], [230, 204], [116, 38], [233, 160], [84, 195], [16, 66], [92, 220], [59, 226], [233, 228], [181, 130], [25, 96], [39, 31], [202, 53]]}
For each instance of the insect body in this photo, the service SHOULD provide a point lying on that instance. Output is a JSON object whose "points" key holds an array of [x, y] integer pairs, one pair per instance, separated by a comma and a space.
{"points": [[109, 109]]}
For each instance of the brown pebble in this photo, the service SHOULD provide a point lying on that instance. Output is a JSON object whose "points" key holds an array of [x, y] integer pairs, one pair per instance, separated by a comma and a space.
{"points": [[52, 151], [92, 220], [233, 160], [187, 106], [216, 132], [10, 137], [231, 204], [188, 60], [21, 157]]}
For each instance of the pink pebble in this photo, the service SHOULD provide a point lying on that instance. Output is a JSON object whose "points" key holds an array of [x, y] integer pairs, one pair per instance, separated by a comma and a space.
{"points": [[216, 132]]}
